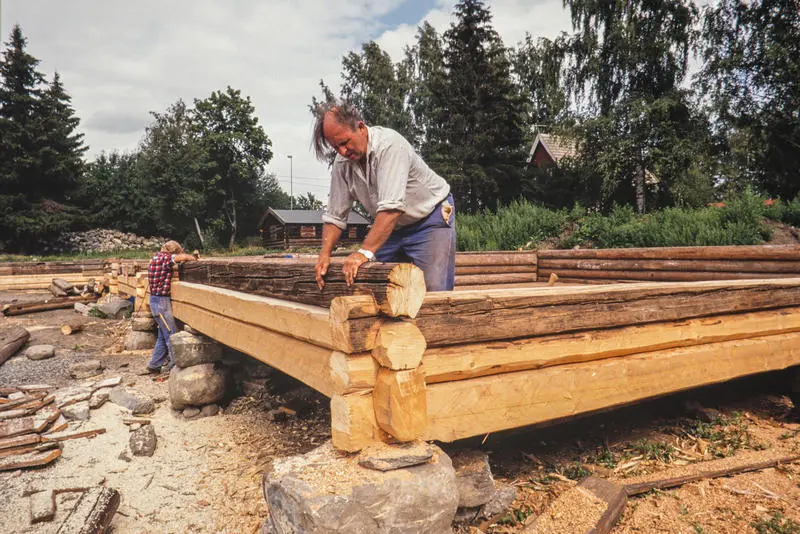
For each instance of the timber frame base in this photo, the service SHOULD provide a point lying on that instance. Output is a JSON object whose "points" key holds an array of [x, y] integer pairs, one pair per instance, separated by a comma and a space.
{"points": [[470, 362]]}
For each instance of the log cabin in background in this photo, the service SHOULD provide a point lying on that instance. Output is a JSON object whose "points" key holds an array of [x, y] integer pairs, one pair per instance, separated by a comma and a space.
{"points": [[303, 228]]}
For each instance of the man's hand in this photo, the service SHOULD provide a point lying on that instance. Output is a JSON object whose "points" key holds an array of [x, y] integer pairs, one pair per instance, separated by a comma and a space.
{"points": [[321, 269], [351, 265]]}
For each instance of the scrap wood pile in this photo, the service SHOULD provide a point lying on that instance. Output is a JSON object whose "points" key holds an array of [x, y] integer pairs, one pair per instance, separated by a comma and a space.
{"points": [[33, 423], [451, 365], [670, 264], [40, 275]]}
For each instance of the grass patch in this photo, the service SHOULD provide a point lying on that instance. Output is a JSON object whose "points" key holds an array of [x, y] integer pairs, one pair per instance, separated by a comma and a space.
{"points": [[776, 524], [725, 435]]}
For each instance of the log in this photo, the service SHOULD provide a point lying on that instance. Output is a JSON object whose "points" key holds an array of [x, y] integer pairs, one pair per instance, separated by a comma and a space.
{"points": [[93, 513], [495, 269], [711, 469], [353, 424], [475, 316], [400, 403], [398, 288], [399, 345], [464, 259], [473, 407], [752, 266], [63, 285], [328, 371], [663, 276], [459, 362], [749, 252], [45, 305], [57, 291], [12, 338], [486, 279], [72, 326]]}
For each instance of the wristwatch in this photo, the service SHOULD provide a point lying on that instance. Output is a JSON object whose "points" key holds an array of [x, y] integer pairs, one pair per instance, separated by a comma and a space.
{"points": [[367, 254]]}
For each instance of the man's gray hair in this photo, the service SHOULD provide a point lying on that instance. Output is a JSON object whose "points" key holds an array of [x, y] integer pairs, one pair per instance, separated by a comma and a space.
{"points": [[344, 113]]}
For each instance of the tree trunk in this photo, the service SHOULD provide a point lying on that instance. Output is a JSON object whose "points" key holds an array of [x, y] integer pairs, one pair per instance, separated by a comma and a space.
{"points": [[199, 233], [640, 189]]}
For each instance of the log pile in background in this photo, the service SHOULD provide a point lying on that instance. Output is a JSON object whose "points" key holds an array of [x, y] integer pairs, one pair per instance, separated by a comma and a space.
{"points": [[40, 275], [495, 268], [676, 264]]}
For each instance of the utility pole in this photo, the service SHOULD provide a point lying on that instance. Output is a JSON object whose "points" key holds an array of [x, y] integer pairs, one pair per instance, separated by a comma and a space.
{"points": [[291, 180]]}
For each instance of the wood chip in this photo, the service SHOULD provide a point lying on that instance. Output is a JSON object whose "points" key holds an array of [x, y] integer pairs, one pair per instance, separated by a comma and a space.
{"points": [[33, 459]]}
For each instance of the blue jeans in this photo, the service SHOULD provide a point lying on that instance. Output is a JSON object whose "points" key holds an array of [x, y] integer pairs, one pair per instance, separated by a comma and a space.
{"points": [[161, 308], [430, 244]]}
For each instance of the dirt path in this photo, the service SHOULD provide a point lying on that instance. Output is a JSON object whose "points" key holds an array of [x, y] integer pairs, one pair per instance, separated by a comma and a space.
{"points": [[205, 475]]}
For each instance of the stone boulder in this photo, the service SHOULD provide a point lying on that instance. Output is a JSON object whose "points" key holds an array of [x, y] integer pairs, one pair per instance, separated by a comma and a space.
{"points": [[40, 352], [86, 369], [143, 322], [190, 349], [196, 385], [143, 441], [115, 307], [138, 340], [473, 478], [326, 491], [135, 401]]}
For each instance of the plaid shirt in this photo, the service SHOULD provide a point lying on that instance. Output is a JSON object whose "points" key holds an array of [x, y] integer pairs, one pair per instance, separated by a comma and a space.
{"points": [[159, 274]]}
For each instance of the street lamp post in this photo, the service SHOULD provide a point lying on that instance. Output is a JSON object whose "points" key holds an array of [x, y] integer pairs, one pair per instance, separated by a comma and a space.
{"points": [[291, 184]]}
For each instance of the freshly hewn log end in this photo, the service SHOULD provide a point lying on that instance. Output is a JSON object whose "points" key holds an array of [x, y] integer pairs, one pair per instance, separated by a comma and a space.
{"points": [[553, 279], [72, 326], [400, 401], [353, 307], [405, 292], [353, 424], [352, 372], [399, 345]]}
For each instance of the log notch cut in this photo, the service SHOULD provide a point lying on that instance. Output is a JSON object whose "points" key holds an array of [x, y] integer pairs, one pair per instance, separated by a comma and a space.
{"points": [[398, 288], [673, 263], [495, 268]]}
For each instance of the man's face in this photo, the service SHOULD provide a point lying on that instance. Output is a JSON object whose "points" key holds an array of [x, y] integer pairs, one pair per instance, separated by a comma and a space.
{"points": [[349, 143]]}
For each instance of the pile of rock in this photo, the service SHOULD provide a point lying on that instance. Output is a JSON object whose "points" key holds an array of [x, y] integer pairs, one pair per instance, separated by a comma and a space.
{"points": [[196, 383], [101, 240], [404, 488], [144, 332]]}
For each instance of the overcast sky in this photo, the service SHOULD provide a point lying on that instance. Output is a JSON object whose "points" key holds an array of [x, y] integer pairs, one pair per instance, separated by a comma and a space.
{"points": [[119, 60]]}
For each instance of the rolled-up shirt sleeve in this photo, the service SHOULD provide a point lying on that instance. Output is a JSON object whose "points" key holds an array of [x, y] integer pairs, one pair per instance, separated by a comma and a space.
{"points": [[393, 170], [339, 201]]}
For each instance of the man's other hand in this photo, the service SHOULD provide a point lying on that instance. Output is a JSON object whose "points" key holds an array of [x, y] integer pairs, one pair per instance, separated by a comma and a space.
{"points": [[321, 269], [351, 265]]}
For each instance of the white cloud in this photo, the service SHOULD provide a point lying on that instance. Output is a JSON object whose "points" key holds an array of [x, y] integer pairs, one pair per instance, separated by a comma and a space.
{"points": [[119, 60]]}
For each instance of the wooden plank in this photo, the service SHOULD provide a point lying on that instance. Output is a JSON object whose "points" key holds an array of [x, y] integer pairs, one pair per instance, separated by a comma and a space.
{"points": [[72, 434], [397, 287], [93, 513], [300, 321], [19, 441], [751, 266], [12, 338], [31, 459], [593, 506], [747, 252], [746, 463], [664, 276], [459, 362], [460, 317], [318, 367], [467, 408]]}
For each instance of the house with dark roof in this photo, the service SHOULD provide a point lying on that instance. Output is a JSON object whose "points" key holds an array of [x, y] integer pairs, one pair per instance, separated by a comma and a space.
{"points": [[303, 228]]}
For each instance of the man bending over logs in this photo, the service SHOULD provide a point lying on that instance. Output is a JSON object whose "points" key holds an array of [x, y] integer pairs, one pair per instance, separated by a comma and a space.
{"points": [[411, 205]]}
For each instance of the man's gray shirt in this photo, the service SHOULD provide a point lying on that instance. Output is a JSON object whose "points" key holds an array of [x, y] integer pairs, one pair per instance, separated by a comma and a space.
{"points": [[396, 179]]}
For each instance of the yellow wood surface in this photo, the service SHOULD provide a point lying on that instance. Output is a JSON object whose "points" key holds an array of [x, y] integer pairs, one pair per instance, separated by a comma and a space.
{"points": [[400, 403], [473, 407], [353, 424]]}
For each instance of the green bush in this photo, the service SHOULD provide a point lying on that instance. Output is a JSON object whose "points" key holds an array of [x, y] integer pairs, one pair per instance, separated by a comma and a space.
{"points": [[517, 225]]}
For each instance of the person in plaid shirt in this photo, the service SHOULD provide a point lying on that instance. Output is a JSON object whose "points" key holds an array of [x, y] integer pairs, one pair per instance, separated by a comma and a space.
{"points": [[159, 277]]}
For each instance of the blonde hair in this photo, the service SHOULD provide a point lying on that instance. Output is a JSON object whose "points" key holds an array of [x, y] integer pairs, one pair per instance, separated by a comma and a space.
{"points": [[173, 247]]}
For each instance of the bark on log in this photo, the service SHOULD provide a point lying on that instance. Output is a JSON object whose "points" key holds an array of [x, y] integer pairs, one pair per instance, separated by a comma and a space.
{"points": [[45, 305], [495, 258], [487, 279], [472, 316], [12, 338], [750, 252], [398, 288], [496, 269], [662, 276], [751, 266], [93, 513], [72, 326]]}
